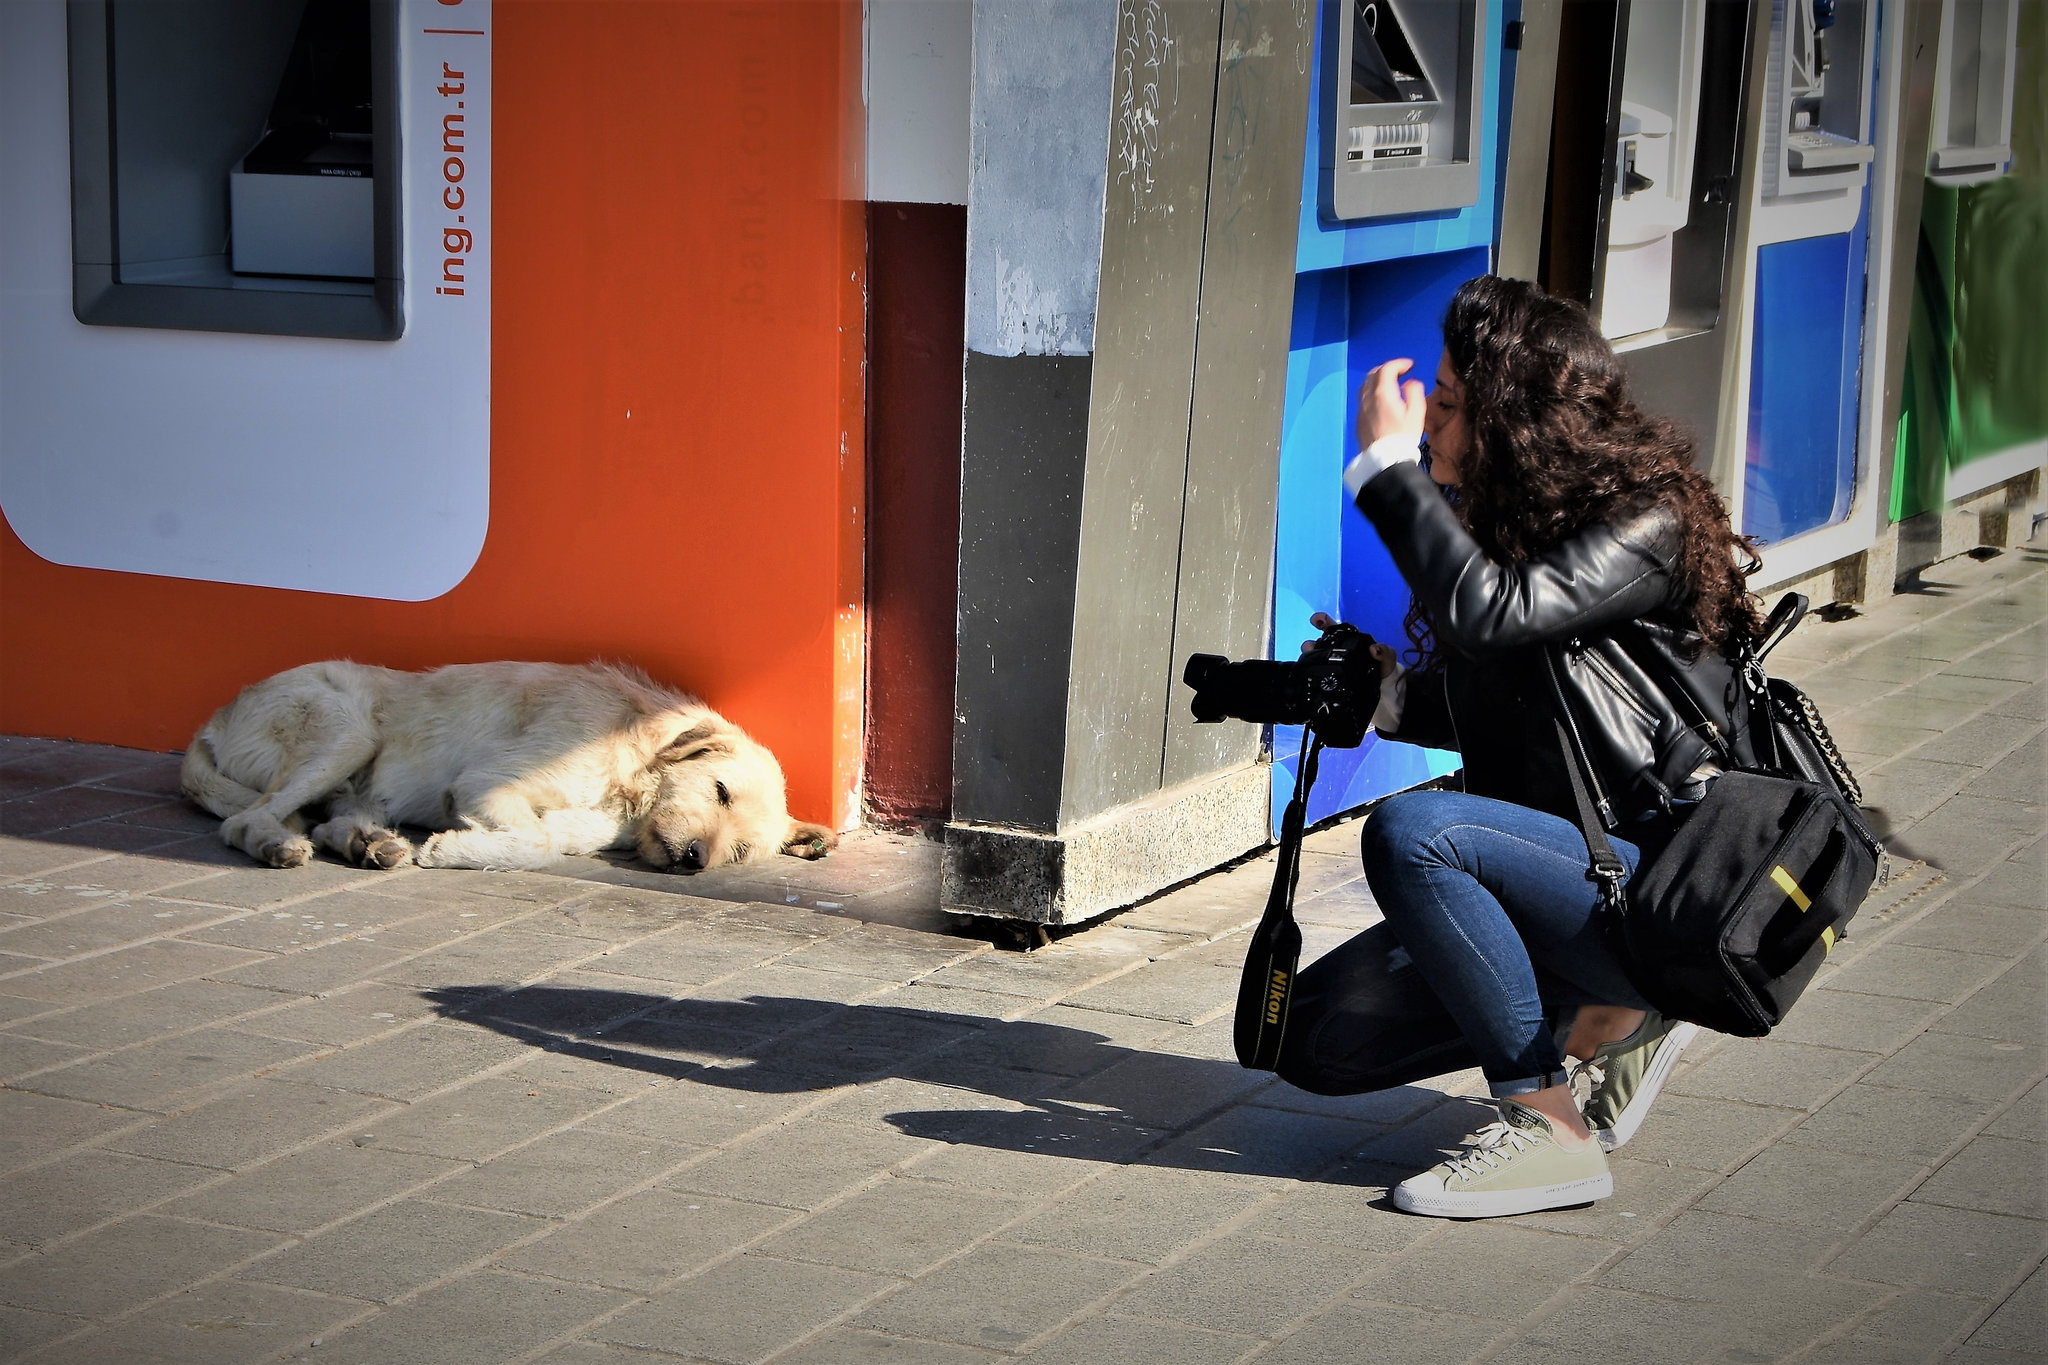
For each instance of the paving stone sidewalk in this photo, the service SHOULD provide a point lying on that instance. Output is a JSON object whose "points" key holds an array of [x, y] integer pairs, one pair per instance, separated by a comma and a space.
{"points": [[608, 1116]]}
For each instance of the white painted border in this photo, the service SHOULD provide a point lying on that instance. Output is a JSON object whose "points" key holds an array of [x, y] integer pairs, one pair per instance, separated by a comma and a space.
{"points": [[1968, 480], [353, 467]]}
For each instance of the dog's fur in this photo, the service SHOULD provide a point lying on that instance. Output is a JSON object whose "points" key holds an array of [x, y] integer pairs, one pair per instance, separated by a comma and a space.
{"points": [[516, 764]]}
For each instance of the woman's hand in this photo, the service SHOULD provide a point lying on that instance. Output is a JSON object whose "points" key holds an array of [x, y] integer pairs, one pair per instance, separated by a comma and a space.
{"points": [[1383, 655], [1386, 406]]}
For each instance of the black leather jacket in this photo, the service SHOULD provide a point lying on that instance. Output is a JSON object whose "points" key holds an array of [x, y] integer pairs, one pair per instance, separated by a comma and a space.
{"points": [[1600, 621]]}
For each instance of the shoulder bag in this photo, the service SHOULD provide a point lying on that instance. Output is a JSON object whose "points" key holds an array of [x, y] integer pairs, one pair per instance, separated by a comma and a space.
{"points": [[1727, 923]]}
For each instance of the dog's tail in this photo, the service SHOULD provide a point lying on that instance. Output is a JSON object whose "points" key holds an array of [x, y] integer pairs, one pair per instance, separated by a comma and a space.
{"points": [[211, 787]]}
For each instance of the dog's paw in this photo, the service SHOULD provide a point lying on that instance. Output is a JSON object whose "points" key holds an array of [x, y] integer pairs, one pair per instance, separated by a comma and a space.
{"points": [[378, 848], [292, 851], [810, 841], [435, 851]]}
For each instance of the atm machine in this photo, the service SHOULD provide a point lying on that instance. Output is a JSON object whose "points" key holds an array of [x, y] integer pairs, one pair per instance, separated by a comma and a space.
{"points": [[1397, 209], [1800, 472]]}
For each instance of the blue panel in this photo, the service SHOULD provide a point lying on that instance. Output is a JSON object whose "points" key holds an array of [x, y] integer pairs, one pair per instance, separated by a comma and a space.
{"points": [[1323, 247], [1805, 379], [1326, 556]]}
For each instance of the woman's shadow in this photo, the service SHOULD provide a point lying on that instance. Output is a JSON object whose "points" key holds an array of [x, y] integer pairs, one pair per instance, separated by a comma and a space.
{"points": [[1044, 1088]]}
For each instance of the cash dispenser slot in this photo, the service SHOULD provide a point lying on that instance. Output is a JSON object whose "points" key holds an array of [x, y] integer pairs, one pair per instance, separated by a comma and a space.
{"points": [[235, 166]]}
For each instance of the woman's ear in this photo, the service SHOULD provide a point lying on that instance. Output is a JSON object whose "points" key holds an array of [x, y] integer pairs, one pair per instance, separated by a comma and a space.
{"points": [[809, 841]]}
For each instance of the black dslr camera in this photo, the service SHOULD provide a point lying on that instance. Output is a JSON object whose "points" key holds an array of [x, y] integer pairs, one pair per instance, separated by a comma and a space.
{"points": [[1333, 689]]}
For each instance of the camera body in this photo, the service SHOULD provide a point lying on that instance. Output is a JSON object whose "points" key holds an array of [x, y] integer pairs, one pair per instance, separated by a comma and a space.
{"points": [[1333, 688]]}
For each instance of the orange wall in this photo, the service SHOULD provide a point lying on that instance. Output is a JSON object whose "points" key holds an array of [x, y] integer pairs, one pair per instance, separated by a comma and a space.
{"points": [[678, 235]]}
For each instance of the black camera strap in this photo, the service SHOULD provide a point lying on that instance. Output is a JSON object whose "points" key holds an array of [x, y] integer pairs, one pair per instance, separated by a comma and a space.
{"points": [[1267, 988]]}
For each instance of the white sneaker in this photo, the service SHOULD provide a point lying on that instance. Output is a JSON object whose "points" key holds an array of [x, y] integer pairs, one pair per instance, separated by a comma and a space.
{"points": [[1515, 1166], [1617, 1085]]}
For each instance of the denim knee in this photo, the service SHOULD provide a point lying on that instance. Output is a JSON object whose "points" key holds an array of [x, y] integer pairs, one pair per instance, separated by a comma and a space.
{"points": [[1397, 836]]}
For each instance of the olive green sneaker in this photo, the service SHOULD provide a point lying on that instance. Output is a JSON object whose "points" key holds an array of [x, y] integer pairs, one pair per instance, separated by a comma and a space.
{"points": [[1514, 1166], [1617, 1085]]}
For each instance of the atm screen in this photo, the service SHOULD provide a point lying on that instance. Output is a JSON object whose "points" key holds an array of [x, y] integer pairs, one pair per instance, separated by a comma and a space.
{"points": [[1384, 69]]}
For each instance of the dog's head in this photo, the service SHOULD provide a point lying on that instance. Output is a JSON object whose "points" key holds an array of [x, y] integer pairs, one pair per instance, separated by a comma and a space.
{"points": [[719, 800]]}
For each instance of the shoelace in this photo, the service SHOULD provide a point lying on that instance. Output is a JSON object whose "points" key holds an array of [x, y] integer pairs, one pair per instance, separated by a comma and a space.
{"points": [[1586, 1079], [1494, 1145]]}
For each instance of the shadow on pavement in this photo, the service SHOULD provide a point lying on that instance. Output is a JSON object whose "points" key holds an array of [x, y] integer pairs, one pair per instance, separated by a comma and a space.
{"points": [[1055, 1090]]}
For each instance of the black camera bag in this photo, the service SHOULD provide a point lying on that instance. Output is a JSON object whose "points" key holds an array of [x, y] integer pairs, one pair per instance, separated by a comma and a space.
{"points": [[1727, 923]]}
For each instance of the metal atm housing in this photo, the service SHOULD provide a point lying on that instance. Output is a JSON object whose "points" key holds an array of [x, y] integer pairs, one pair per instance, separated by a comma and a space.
{"points": [[1971, 136], [1403, 83]]}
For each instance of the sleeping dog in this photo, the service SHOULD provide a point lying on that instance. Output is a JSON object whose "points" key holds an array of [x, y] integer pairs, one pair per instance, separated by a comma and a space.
{"points": [[513, 764]]}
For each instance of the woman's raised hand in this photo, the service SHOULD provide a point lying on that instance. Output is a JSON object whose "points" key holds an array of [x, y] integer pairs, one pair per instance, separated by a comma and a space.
{"points": [[1387, 406]]}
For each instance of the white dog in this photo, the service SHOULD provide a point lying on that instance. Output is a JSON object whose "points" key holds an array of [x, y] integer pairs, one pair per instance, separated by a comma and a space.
{"points": [[516, 764]]}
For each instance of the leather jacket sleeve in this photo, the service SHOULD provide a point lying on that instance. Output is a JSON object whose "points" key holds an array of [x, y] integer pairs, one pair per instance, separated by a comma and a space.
{"points": [[1606, 574]]}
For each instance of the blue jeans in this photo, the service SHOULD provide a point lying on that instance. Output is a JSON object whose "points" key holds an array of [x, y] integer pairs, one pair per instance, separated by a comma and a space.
{"points": [[1493, 903]]}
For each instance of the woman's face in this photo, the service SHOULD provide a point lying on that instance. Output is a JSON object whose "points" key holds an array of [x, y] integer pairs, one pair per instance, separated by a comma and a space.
{"points": [[1444, 425]]}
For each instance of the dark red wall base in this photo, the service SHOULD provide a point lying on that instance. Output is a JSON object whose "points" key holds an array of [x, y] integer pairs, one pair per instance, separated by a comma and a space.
{"points": [[917, 303]]}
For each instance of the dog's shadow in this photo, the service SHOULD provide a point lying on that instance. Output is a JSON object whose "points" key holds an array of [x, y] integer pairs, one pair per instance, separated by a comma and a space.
{"points": [[1048, 1088]]}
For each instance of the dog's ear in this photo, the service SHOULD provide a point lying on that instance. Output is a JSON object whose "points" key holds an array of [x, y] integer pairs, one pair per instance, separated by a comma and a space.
{"points": [[809, 841], [700, 739]]}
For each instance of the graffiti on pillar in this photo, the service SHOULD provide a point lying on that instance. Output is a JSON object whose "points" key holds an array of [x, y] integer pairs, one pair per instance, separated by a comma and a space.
{"points": [[1144, 55]]}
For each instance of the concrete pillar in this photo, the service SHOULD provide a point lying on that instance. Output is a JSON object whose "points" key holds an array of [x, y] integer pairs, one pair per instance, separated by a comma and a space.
{"points": [[1132, 214]]}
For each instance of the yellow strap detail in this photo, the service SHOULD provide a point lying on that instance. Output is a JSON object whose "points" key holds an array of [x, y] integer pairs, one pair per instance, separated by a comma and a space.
{"points": [[1790, 888], [1827, 941]]}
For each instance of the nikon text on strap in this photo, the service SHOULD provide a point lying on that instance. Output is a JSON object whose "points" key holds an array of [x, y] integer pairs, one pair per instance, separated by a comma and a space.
{"points": [[1267, 989]]}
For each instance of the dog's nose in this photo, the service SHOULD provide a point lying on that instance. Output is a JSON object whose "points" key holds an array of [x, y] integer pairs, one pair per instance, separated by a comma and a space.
{"points": [[693, 855]]}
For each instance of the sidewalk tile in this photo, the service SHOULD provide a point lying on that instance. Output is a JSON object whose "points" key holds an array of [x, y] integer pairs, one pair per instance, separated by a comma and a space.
{"points": [[1175, 990], [1155, 1090], [1033, 1152], [1060, 1040], [697, 953], [1345, 1210], [646, 1240], [1641, 1329], [1841, 1016], [168, 1009], [1991, 1175], [1266, 1145], [253, 887], [801, 1166], [1813, 1188], [477, 1320], [34, 1127], [1765, 1071], [1979, 741], [900, 1227], [22, 1330], [484, 1117], [1965, 1067], [1905, 972], [1912, 1327], [885, 952], [564, 1172], [1967, 925], [1484, 1269], [310, 1189], [2018, 881], [998, 1295], [313, 970], [224, 1323], [1645, 1194], [844, 1346], [2021, 776], [1137, 1213], [1042, 975], [1701, 1255], [126, 971], [2008, 1010], [22, 1057], [2030, 703], [1956, 1251], [52, 810], [348, 1015], [494, 957], [1246, 1284], [249, 1123], [391, 1251], [743, 1310], [2027, 1120], [329, 918], [124, 1264], [1967, 832], [57, 1199], [1134, 1341], [149, 1075], [1909, 787], [620, 914], [1875, 1120], [695, 1110], [408, 1065], [109, 924], [1369, 1334], [2021, 1322]]}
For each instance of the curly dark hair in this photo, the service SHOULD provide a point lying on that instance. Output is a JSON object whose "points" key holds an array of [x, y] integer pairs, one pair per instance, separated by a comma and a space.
{"points": [[1558, 444]]}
